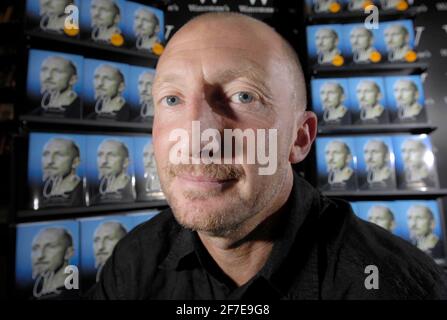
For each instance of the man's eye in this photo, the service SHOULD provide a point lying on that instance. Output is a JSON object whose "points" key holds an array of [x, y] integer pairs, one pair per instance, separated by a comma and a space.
{"points": [[172, 100], [242, 97]]}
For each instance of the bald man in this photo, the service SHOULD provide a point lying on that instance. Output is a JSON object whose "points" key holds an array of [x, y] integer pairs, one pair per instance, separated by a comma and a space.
{"points": [[105, 238], [105, 16], [51, 250], [369, 94], [362, 44], [418, 165], [397, 40], [52, 15], [338, 158], [113, 161], [146, 28], [379, 173], [332, 97], [58, 76], [383, 217], [232, 231], [146, 111], [421, 224], [109, 85], [61, 184], [326, 41], [406, 95]]}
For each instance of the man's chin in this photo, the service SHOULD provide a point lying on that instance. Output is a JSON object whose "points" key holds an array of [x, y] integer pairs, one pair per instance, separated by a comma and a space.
{"points": [[204, 218]]}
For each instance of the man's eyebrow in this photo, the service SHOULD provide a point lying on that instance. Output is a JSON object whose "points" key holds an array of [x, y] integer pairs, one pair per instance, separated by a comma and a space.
{"points": [[250, 73]]}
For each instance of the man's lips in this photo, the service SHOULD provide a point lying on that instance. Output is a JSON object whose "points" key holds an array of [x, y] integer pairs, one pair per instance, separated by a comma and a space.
{"points": [[203, 181]]}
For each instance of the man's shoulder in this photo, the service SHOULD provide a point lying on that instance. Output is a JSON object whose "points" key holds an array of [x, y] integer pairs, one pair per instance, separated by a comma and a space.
{"points": [[404, 271]]}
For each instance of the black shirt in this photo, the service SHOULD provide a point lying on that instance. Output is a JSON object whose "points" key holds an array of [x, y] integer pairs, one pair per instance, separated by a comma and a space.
{"points": [[321, 253]]}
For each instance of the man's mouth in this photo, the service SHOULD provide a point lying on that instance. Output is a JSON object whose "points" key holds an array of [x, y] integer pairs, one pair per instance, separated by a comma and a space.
{"points": [[49, 83], [206, 177]]}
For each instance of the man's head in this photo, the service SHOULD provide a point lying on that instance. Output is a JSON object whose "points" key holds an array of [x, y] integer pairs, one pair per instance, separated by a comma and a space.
{"points": [[421, 221], [105, 13], [337, 155], [413, 153], [105, 238], [51, 249], [368, 93], [53, 7], [60, 157], [377, 154], [326, 40], [108, 82], [406, 92], [145, 86], [361, 39], [323, 5], [146, 23], [382, 216], [148, 157], [396, 37], [57, 74], [228, 71], [332, 95], [112, 158]]}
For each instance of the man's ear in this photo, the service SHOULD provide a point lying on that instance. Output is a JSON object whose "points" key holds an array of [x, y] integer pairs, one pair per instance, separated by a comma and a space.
{"points": [[126, 163], [121, 87], [349, 158], [306, 133], [73, 80], [69, 253], [75, 163], [117, 19]]}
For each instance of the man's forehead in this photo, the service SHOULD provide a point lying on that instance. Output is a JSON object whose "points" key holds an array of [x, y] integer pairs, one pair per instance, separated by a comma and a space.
{"points": [[235, 39], [55, 61], [335, 145], [106, 70], [145, 14], [418, 210], [57, 144], [403, 83], [234, 63], [330, 86], [106, 228], [373, 144], [147, 76], [48, 236], [358, 31]]}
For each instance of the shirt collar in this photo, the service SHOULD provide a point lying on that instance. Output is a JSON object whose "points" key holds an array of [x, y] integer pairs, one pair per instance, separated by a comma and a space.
{"points": [[304, 200]]}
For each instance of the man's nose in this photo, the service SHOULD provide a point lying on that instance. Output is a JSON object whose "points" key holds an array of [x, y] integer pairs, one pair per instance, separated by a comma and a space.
{"points": [[207, 112], [101, 246], [40, 254], [103, 160]]}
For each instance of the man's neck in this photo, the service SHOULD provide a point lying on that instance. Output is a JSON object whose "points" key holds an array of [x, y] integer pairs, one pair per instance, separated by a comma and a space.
{"points": [[243, 253]]}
